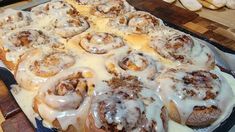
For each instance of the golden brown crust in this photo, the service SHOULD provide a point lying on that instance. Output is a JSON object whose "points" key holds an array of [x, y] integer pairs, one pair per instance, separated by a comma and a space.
{"points": [[173, 112], [10, 65], [55, 123], [70, 128], [201, 116], [36, 102], [90, 125]]}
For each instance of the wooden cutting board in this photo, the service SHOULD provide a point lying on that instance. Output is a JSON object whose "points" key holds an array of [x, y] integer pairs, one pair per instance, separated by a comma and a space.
{"points": [[11, 117], [2, 119], [220, 35], [224, 16]]}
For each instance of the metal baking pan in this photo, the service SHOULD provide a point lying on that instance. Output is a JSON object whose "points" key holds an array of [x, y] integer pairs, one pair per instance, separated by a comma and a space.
{"points": [[8, 2], [8, 78]]}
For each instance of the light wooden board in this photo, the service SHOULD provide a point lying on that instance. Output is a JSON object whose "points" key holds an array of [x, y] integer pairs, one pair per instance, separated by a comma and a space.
{"points": [[1, 120], [223, 16]]}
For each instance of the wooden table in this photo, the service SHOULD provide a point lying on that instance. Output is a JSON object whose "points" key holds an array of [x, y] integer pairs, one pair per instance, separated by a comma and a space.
{"points": [[11, 116], [182, 19], [223, 15], [216, 26], [1, 120]]}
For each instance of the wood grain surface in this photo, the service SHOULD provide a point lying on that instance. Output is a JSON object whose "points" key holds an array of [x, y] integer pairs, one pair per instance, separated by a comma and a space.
{"points": [[8, 105], [223, 15], [218, 27], [2, 119], [191, 21], [18, 123], [11, 116]]}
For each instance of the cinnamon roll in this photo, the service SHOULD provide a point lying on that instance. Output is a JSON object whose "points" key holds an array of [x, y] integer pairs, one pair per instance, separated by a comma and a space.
{"points": [[112, 8], [55, 7], [127, 106], [100, 43], [61, 18], [136, 22], [195, 98], [184, 49], [134, 63], [15, 44], [12, 19], [63, 101], [37, 65], [70, 26]]}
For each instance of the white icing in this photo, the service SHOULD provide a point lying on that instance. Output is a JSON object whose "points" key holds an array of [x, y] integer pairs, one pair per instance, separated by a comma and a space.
{"points": [[59, 17], [66, 118], [137, 22], [101, 43], [12, 19], [69, 109], [183, 48], [134, 63], [128, 111], [171, 85], [30, 38], [112, 8], [65, 113], [30, 79]]}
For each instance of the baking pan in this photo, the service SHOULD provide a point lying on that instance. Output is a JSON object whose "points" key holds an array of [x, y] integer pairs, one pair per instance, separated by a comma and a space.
{"points": [[7, 77], [8, 2]]}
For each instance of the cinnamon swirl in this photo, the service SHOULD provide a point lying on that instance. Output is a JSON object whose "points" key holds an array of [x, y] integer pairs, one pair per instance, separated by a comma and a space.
{"points": [[136, 22], [194, 97], [16, 43], [61, 18], [112, 8], [134, 63], [100, 43], [37, 65], [55, 7], [127, 106], [184, 49], [64, 100], [12, 19]]}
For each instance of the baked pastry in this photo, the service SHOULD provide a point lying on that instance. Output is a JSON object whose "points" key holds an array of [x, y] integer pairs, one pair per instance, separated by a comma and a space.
{"points": [[60, 18], [37, 65], [135, 63], [12, 19], [217, 3], [230, 4], [16, 43], [112, 71], [195, 98], [111, 8], [100, 42], [192, 5], [169, 1], [138, 22], [184, 49], [55, 7], [64, 100], [208, 5], [126, 106]]}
